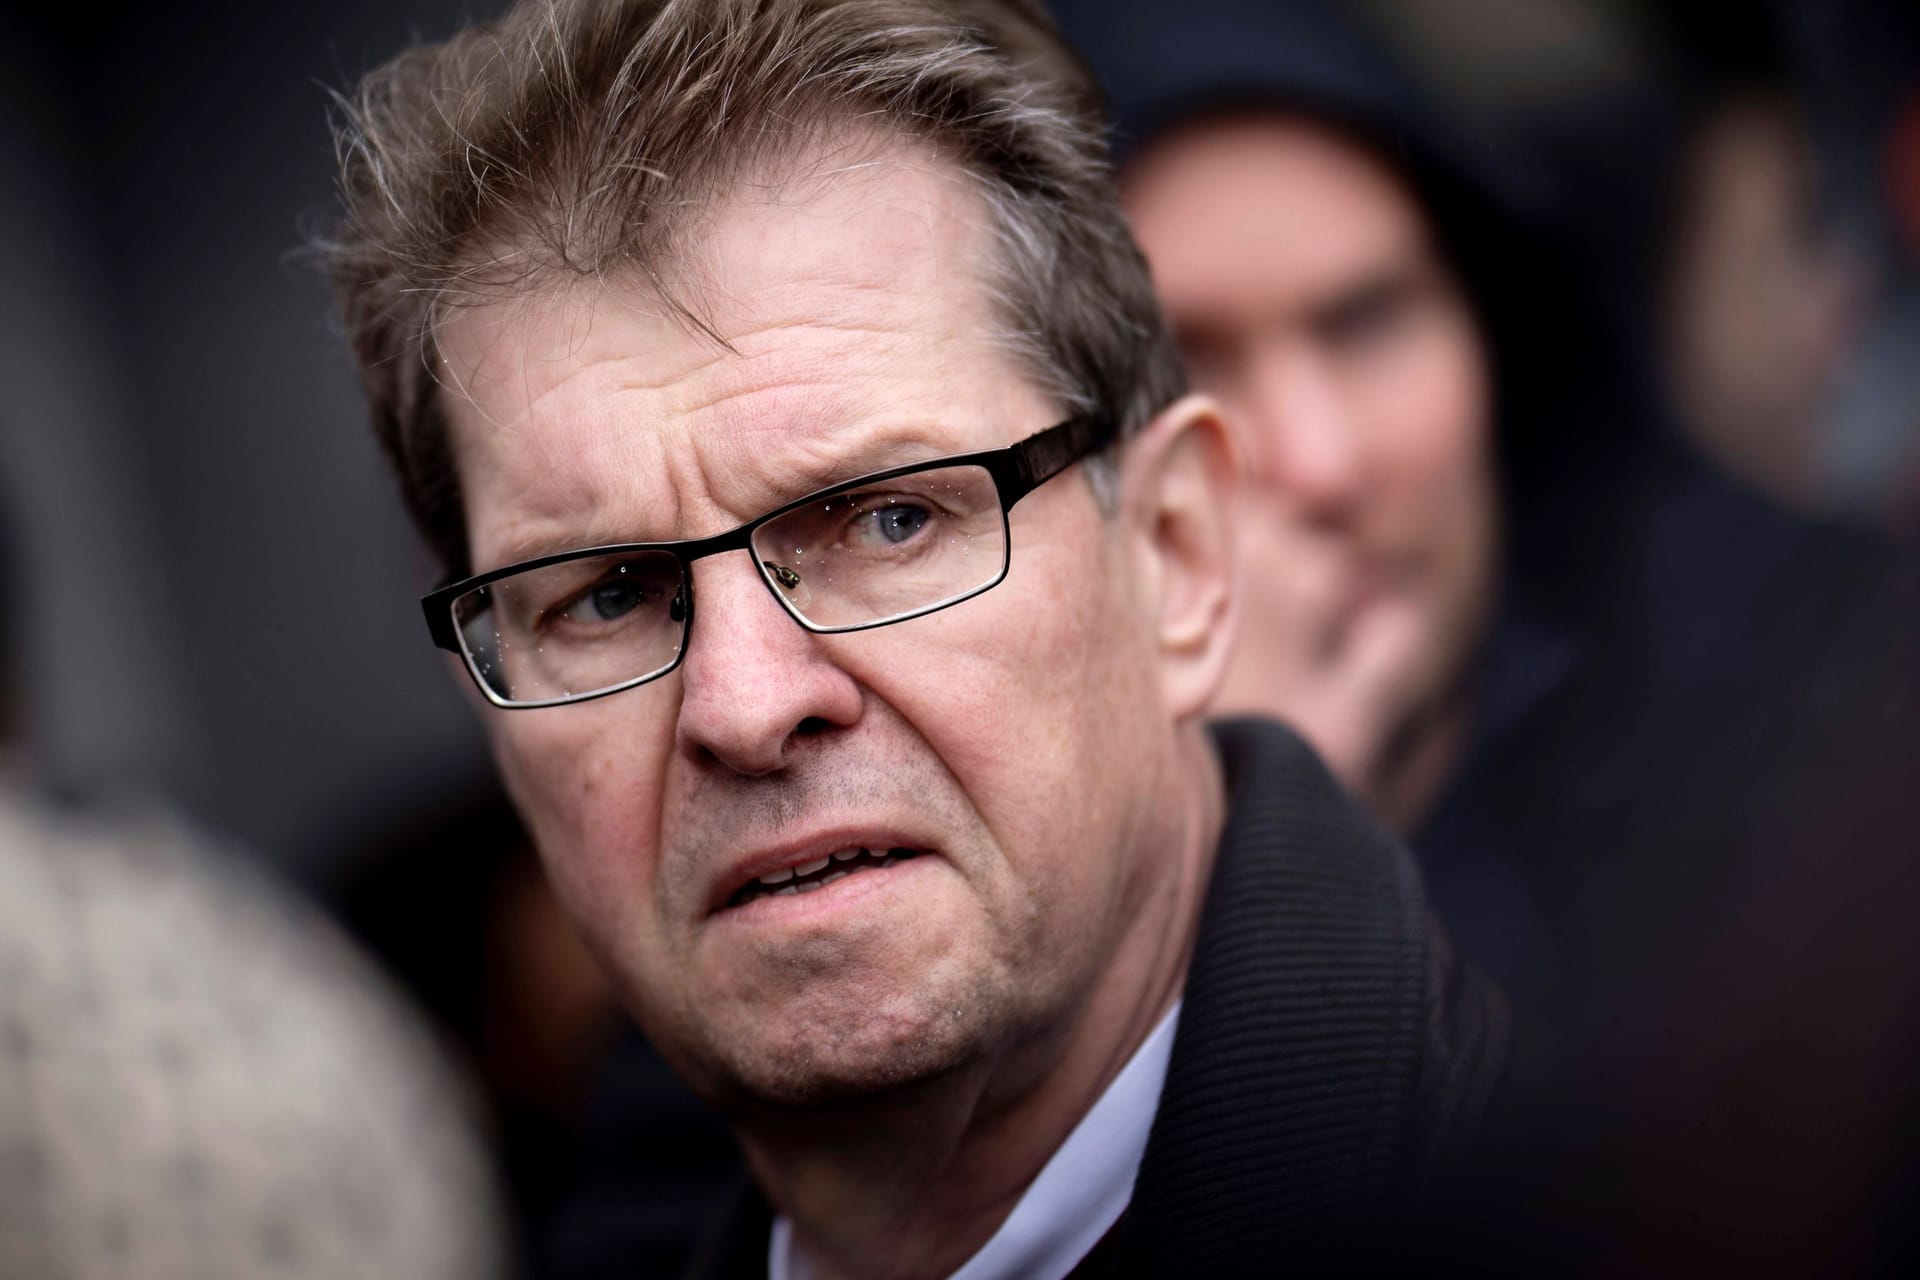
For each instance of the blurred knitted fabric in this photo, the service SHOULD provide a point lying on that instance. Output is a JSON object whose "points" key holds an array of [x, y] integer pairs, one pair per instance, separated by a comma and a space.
{"points": [[200, 1079]]}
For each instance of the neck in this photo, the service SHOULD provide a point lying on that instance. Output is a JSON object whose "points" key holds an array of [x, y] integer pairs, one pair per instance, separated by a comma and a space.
{"points": [[910, 1185], [1417, 763]]}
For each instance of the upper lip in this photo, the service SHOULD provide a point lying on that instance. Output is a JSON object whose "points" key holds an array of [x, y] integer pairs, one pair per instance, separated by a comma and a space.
{"points": [[743, 871]]}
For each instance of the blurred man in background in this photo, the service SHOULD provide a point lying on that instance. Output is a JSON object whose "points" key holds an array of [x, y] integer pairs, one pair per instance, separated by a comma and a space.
{"points": [[1448, 485], [1312, 296], [1606, 690]]}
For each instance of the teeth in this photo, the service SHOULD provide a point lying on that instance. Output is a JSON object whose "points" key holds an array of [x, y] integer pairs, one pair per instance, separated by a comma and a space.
{"points": [[790, 880]]}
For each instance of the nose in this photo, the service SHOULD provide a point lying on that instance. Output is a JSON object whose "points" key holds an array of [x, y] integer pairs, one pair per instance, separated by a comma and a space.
{"points": [[1303, 442], [753, 680]]}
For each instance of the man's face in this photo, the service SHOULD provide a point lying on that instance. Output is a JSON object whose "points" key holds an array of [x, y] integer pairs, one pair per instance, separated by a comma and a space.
{"points": [[1008, 744], [1310, 299]]}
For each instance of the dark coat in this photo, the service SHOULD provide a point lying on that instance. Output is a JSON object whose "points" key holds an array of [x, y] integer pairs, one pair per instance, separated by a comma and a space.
{"points": [[1333, 1060]]}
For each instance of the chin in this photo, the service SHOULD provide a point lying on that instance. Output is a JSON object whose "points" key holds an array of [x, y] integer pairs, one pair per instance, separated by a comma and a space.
{"points": [[823, 1065], [849, 1046]]}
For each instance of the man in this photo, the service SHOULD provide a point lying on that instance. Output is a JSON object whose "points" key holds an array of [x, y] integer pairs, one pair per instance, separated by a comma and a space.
{"points": [[1512, 613], [1348, 278], [1353, 361], [898, 834], [1608, 694]]}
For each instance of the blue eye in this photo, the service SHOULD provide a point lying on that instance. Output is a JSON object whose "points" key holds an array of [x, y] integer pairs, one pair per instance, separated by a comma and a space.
{"points": [[896, 524], [612, 599], [608, 602]]}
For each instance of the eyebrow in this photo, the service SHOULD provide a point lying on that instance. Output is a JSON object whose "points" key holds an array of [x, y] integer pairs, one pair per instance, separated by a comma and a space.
{"points": [[1387, 285], [898, 447], [895, 449]]}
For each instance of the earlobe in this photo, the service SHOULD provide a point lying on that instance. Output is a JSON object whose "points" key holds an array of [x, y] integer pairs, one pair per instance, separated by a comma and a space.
{"points": [[1184, 475]]}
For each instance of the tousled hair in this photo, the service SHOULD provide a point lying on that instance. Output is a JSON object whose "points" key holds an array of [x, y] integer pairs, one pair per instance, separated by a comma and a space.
{"points": [[571, 140]]}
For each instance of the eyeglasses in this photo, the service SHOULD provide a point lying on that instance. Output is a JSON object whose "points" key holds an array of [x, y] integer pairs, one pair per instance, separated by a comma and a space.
{"points": [[886, 547]]}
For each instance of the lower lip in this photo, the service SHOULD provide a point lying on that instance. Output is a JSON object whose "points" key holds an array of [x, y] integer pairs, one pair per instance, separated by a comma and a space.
{"points": [[843, 894]]}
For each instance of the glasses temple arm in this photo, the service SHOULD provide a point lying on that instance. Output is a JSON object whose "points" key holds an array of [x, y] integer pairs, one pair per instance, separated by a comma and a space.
{"points": [[1046, 455]]}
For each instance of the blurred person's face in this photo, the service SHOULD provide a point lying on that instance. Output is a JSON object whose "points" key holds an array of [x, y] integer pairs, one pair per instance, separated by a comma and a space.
{"points": [[1310, 299], [1763, 302], [991, 778]]}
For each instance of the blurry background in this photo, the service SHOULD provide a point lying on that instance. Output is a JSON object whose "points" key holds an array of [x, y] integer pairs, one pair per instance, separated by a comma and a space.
{"points": [[212, 584]]}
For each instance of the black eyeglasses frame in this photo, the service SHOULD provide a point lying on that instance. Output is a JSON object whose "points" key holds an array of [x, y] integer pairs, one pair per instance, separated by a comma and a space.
{"points": [[1017, 470]]}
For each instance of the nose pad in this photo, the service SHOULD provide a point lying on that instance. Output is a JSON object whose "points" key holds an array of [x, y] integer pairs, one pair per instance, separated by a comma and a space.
{"points": [[797, 592]]}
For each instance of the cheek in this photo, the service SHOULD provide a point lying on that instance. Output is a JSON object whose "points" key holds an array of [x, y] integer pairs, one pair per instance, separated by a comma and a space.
{"points": [[1432, 427], [1439, 487], [586, 780], [1031, 696]]}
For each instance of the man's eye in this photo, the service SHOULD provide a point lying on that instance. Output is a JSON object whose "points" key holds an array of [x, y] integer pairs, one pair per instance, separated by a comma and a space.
{"points": [[1369, 316], [891, 524], [606, 602]]}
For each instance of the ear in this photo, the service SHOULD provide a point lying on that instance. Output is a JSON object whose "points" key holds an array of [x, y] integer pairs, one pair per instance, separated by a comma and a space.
{"points": [[1180, 483]]}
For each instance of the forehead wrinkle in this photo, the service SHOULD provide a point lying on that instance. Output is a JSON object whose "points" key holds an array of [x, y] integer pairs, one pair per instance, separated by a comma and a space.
{"points": [[819, 377], [856, 278], [488, 365], [743, 466], [846, 310], [753, 447], [898, 172], [539, 509], [749, 456], [561, 507], [789, 376]]}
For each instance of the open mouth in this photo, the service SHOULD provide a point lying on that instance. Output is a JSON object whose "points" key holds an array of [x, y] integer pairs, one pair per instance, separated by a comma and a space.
{"points": [[809, 876]]}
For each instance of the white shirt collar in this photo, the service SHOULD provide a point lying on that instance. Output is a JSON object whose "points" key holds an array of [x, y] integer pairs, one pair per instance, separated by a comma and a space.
{"points": [[1076, 1198]]}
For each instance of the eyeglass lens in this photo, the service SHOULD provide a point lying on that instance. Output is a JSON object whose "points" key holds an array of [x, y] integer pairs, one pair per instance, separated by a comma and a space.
{"points": [[886, 550], [853, 558]]}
